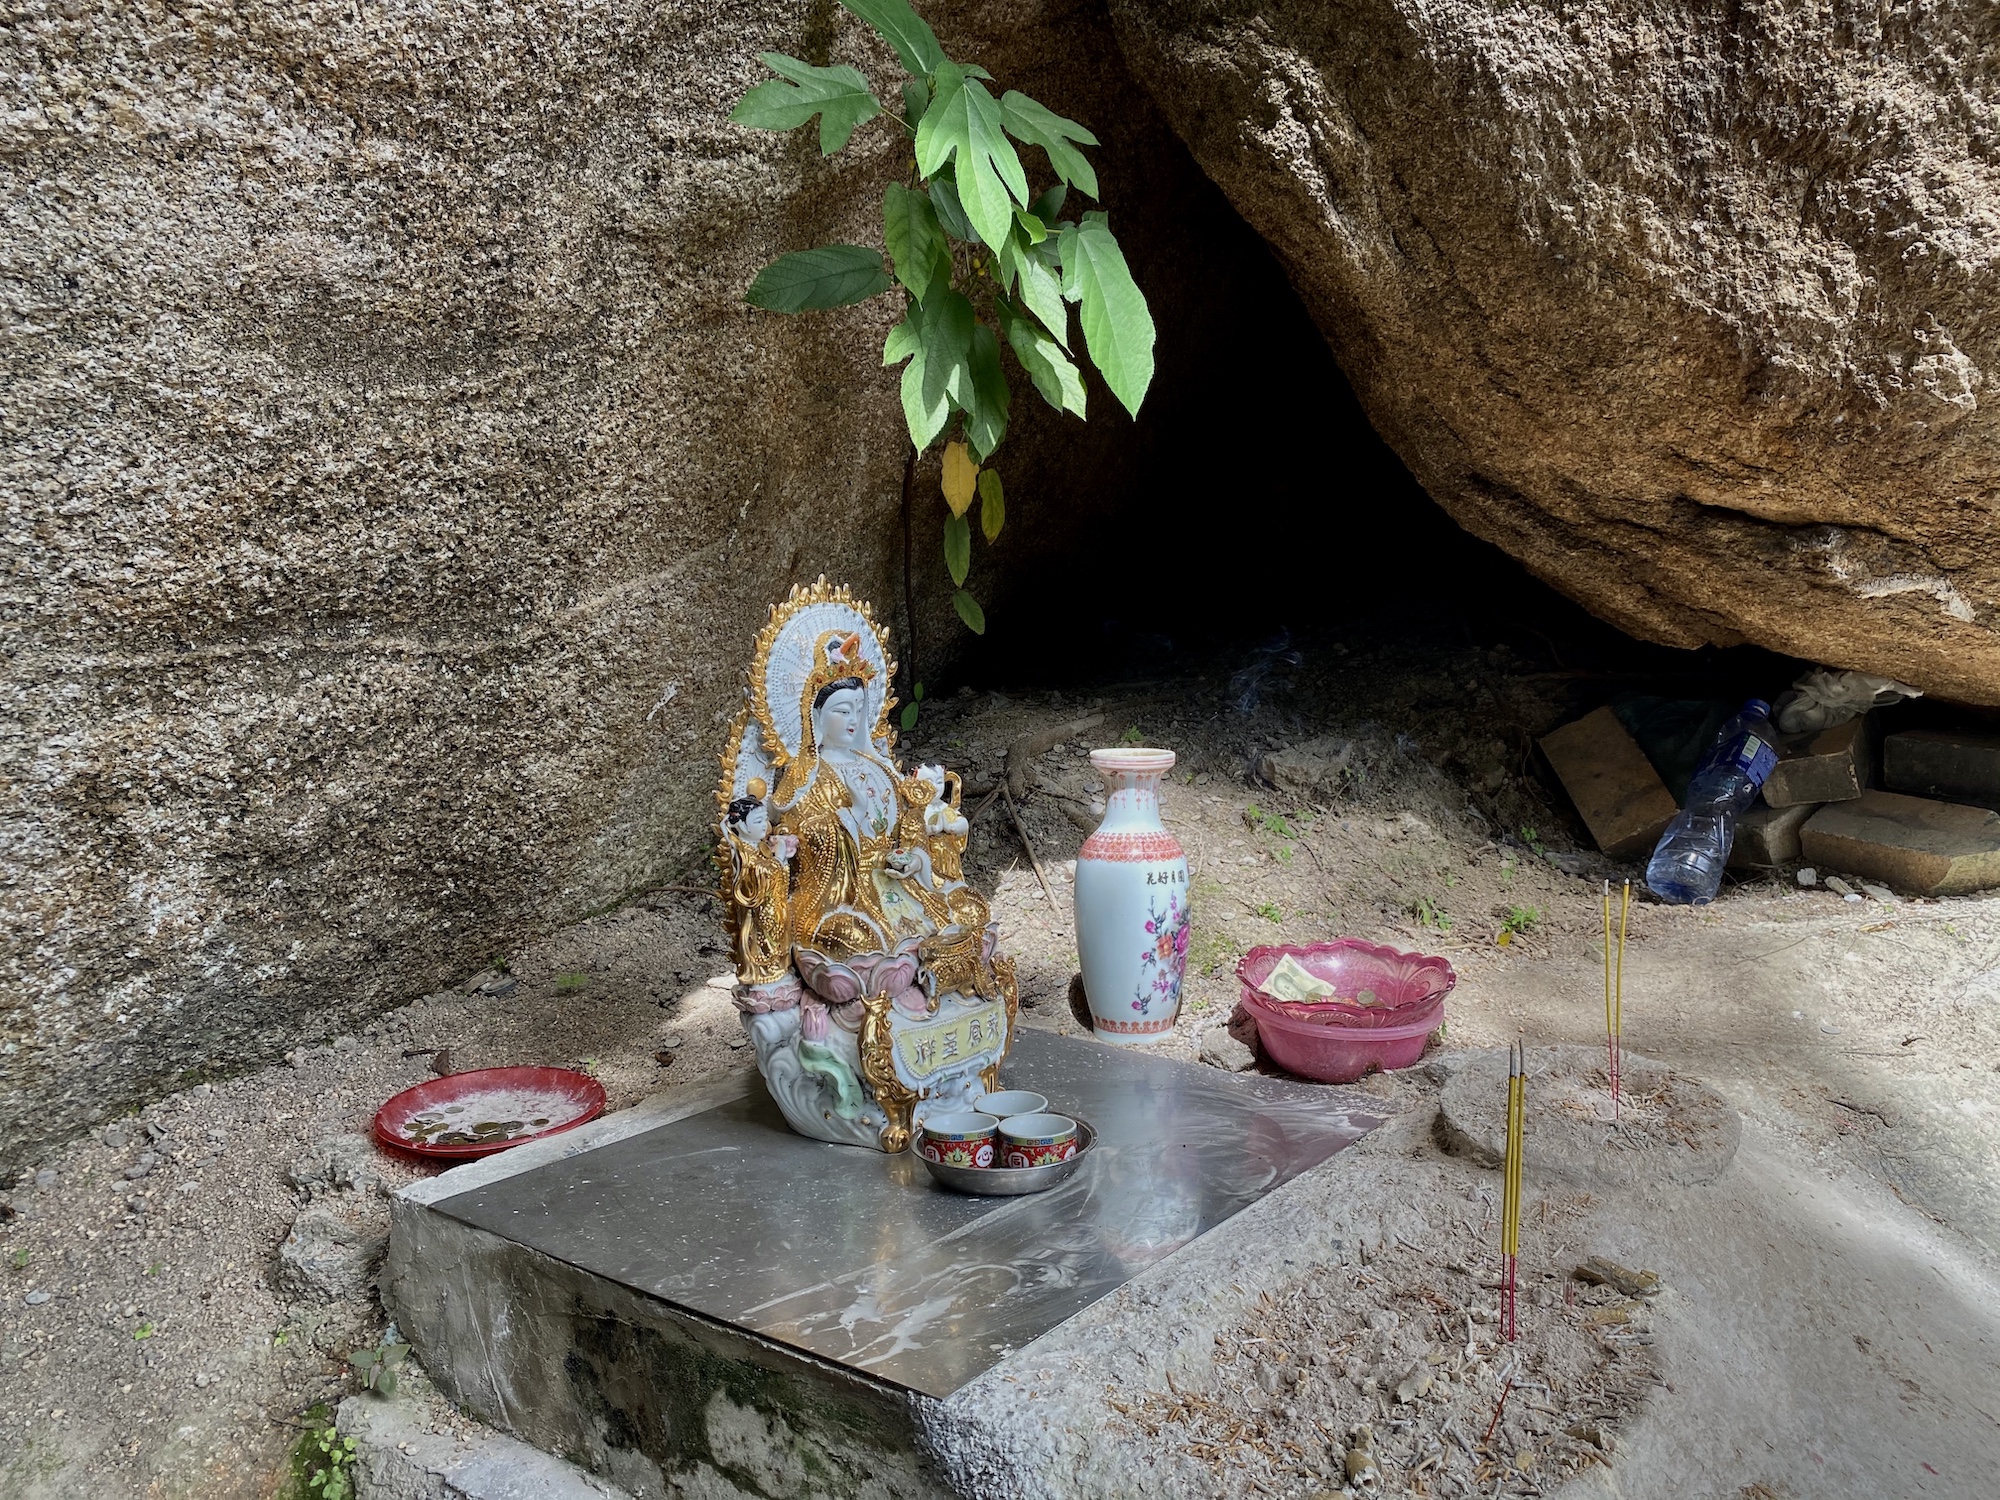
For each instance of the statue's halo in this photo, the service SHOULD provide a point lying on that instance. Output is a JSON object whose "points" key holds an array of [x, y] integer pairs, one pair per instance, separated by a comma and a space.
{"points": [[784, 660]]}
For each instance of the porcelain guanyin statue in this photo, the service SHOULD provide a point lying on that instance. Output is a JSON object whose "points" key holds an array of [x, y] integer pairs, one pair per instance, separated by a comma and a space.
{"points": [[867, 971]]}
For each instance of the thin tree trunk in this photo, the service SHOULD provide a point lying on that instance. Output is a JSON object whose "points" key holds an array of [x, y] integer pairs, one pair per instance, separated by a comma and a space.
{"points": [[909, 576]]}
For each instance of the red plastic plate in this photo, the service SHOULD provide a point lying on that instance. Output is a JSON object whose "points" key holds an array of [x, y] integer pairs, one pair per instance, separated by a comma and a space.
{"points": [[512, 1104]]}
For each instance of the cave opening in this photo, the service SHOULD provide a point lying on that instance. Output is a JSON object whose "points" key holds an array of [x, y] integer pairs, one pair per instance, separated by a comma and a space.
{"points": [[1268, 547]]}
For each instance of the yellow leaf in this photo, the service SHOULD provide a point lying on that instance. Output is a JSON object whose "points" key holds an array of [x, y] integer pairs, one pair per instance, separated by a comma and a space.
{"points": [[960, 475]]}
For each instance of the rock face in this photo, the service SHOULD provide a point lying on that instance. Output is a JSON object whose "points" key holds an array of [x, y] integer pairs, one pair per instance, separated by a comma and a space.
{"points": [[394, 481], [1689, 310]]}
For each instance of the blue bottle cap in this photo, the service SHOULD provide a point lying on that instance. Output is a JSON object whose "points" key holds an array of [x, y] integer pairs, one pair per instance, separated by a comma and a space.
{"points": [[1757, 706]]}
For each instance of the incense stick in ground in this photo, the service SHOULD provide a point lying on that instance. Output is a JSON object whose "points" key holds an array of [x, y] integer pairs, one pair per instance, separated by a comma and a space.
{"points": [[1618, 1009], [1610, 1025], [1510, 1214]]}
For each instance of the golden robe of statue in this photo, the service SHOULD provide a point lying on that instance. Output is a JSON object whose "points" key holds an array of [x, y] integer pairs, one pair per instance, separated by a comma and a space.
{"points": [[867, 870]]}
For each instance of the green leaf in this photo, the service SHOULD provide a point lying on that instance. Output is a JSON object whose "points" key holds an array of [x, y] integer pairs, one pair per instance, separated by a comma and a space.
{"points": [[970, 612], [902, 28], [957, 547], [925, 418], [950, 212], [986, 412], [908, 718], [1049, 205], [808, 280], [946, 331], [1055, 377], [1028, 121], [992, 504], [916, 99], [1040, 289], [1031, 226], [963, 127], [838, 95], [1117, 327], [917, 693], [916, 243], [902, 342]]}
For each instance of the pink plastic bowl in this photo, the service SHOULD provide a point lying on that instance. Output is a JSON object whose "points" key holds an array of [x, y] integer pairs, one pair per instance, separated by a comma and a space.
{"points": [[1402, 982], [1331, 1051]]}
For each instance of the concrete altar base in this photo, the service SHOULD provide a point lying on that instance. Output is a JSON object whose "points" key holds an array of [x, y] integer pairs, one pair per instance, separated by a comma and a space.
{"points": [[662, 1398]]}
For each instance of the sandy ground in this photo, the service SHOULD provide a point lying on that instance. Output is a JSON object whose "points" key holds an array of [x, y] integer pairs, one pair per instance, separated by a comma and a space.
{"points": [[1833, 1314]]}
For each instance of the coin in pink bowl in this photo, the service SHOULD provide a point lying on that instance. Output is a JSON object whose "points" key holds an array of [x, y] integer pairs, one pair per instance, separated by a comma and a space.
{"points": [[958, 1140], [1036, 1140]]}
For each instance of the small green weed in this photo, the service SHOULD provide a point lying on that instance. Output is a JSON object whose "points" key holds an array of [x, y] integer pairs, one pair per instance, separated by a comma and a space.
{"points": [[144, 1331], [1268, 822], [1208, 951], [330, 1458], [913, 708], [376, 1368], [569, 984], [1284, 854], [1131, 736], [1533, 839], [20, 1259], [1429, 914], [1270, 913], [154, 1268], [1519, 920]]}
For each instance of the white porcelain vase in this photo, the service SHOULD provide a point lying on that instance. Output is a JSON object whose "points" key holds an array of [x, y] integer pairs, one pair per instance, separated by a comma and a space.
{"points": [[1132, 903]]}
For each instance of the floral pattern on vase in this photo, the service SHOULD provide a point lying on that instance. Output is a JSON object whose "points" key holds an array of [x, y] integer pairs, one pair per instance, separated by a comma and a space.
{"points": [[1132, 903], [1164, 960]]}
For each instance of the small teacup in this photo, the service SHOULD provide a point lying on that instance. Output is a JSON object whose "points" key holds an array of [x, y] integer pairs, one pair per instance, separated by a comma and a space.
{"points": [[1035, 1140], [958, 1140], [1013, 1102]]}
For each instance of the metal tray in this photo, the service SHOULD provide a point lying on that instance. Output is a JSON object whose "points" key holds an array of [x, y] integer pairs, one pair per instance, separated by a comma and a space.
{"points": [[1011, 1182]]}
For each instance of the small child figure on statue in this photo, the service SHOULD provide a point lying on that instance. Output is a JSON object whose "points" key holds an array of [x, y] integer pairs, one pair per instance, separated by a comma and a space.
{"points": [[761, 887]]}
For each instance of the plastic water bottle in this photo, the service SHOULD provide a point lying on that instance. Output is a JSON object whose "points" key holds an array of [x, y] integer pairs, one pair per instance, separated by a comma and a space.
{"points": [[1686, 867]]}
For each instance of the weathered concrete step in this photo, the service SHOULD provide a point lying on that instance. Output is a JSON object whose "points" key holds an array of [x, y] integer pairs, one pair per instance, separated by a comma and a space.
{"points": [[1617, 792], [399, 1457], [1915, 845], [1954, 765]]}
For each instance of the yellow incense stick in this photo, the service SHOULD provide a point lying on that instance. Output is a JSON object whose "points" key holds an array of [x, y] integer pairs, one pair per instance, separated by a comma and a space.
{"points": [[1520, 1146], [1608, 1033], [1511, 1216], [1624, 916]]}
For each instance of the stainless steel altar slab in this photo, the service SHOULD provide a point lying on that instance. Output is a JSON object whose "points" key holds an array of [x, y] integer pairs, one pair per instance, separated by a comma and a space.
{"points": [[860, 1258]]}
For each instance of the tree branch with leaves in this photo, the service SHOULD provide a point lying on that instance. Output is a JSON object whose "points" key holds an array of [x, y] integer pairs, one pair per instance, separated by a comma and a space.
{"points": [[980, 260]]}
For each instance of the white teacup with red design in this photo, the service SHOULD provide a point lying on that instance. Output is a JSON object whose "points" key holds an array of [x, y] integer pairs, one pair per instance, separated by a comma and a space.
{"points": [[958, 1140], [1036, 1140], [1013, 1102]]}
